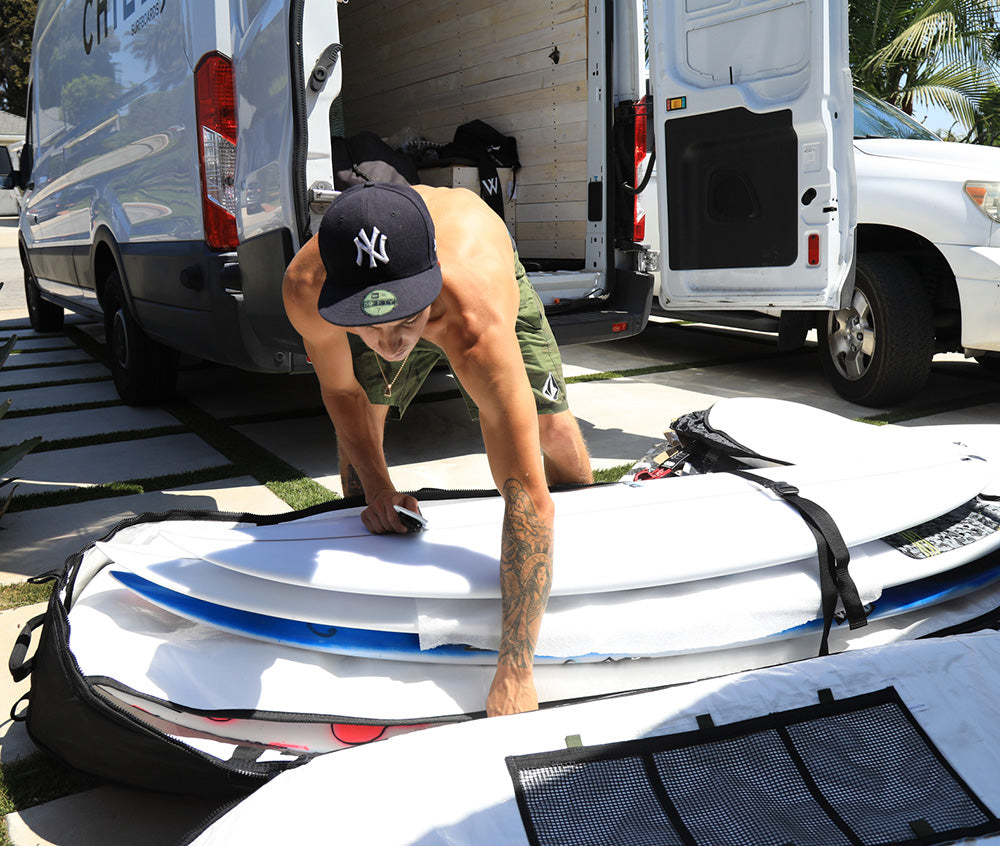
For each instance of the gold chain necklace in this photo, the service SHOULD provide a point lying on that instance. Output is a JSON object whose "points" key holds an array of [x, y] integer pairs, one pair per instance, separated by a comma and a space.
{"points": [[388, 385]]}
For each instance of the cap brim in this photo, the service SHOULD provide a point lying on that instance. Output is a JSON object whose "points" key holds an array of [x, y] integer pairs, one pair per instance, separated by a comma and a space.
{"points": [[413, 294]]}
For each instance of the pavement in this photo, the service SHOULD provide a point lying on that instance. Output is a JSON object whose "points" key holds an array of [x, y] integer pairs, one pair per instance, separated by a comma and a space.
{"points": [[62, 392]]}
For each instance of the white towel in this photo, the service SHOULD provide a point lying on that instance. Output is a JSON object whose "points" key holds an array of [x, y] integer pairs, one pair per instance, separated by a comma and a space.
{"points": [[705, 614]]}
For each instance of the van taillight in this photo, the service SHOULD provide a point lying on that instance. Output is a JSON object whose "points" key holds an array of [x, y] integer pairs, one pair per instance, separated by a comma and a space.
{"points": [[641, 162], [215, 104]]}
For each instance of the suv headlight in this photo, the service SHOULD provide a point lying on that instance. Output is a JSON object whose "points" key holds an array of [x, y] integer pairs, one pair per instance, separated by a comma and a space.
{"points": [[986, 196]]}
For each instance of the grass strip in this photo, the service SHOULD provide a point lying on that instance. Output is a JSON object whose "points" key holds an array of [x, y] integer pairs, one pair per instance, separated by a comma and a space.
{"points": [[612, 474], [71, 496], [248, 458], [56, 383], [107, 438], [281, 478], [61, 409], [917, 411], [26, 353], [18, 594], [35, 780], [43, 365]]}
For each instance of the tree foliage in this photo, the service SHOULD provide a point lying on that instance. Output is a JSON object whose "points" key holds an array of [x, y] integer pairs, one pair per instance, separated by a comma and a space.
{"points": [[986, 127], [943, 53], [18, 18]]}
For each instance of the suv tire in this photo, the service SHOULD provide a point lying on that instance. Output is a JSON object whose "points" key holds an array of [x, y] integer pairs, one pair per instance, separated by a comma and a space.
{"points": [[878, 351]]}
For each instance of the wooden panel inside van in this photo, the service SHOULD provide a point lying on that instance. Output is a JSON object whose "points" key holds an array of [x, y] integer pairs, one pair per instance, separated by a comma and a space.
{"points": [[427, 67]]}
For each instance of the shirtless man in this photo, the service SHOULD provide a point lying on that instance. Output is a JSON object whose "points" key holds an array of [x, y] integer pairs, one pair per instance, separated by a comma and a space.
{"points": [[395, 278]]}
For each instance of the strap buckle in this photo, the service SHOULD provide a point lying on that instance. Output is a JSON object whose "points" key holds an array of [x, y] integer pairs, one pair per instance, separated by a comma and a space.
{"points": [[785, 489]]}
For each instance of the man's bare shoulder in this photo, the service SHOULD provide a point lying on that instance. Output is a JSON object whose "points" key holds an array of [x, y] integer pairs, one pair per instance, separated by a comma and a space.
{"points": [[300, 289], [461, 215]]}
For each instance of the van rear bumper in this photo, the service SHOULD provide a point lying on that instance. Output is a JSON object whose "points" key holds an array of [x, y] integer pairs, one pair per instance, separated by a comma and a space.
{"points": [[622, 315], [206, 304]]}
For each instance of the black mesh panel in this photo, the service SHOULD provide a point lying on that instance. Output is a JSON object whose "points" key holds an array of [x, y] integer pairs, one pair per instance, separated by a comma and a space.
{"points": [[852, 772], [745, 790], [607, 802], [877, 771]]}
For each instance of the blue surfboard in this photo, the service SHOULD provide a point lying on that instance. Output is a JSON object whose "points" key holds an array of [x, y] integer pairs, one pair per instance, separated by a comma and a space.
{"points": [[402, 646]]}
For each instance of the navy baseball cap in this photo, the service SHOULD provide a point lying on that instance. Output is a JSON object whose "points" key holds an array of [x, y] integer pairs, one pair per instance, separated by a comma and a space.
{"points": [[377, 244]]}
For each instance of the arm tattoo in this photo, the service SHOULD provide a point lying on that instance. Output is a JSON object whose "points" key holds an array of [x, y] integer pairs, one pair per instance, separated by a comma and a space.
{"points": [[351, 482], [525, 575]]}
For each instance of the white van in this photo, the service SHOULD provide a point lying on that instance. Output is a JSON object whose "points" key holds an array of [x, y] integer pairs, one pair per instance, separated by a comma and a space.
{"points": [[928, 263], [179, 153]]}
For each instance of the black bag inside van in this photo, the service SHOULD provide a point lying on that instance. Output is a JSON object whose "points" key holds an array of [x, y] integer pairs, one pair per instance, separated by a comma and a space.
{"points": [[367, 158], [488, 149]]}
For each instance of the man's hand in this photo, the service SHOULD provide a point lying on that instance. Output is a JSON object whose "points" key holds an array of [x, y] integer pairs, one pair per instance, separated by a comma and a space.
{"points": [[381, 518], [512, 691]]}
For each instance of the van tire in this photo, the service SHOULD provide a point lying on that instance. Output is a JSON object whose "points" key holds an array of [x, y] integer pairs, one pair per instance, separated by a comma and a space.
{"points": [[144, 370], [878, 351], [43, 315]]}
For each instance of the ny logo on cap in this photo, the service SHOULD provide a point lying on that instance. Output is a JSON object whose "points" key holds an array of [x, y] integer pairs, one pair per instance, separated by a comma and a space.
{"points": [[374, 246]]}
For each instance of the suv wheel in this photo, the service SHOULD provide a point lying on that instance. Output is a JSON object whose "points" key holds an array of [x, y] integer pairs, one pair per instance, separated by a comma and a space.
{"points": [[44, 316], [144, 371], [878, 351]]}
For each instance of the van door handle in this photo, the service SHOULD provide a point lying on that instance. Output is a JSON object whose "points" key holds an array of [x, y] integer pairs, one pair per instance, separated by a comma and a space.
{"points": [[324, 66]]}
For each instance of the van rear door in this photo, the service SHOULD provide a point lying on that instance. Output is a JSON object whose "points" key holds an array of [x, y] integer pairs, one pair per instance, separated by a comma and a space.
{"points": [[285, 61], [287, 74], [753, 125]]}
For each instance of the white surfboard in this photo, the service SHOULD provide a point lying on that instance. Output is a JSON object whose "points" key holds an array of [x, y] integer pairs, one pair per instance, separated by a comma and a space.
{"points": [[712, 525], [402, 646], [201, 669], [742, 606]]}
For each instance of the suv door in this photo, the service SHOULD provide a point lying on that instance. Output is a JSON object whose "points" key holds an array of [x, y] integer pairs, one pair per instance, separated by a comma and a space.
{"points": [[753, 128]]}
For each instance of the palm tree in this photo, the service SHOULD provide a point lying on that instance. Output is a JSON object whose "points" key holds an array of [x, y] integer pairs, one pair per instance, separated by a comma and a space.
{"points": [[942, 53]]}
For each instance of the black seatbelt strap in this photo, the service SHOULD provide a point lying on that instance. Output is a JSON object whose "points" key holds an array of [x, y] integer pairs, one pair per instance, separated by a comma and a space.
{"points": [[834, 578]]}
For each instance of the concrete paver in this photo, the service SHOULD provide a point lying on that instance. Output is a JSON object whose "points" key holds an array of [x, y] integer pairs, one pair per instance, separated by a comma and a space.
{"points": [[454, 458], [14, 740], [31, 377], [988, 413], [83, 423], [61, 395], [104, 463], [663, 342], [29, 343], [22, 359], [224, 392], [41, 540], [110, 815]]}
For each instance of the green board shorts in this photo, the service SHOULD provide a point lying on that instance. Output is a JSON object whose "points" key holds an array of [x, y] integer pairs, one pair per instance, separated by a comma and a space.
{"points": [[538, 349]]}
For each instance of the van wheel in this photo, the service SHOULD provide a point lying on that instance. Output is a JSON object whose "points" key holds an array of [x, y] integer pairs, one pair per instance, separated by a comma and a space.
{"points": [[144, 371], [44, 316], [879, 350]]}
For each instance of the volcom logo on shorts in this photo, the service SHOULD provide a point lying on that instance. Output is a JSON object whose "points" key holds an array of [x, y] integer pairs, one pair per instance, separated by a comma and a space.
{"points": [[551, 388]]}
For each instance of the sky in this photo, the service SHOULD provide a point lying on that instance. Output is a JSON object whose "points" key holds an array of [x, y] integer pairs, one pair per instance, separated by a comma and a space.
{"points": [[936, 119]]}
